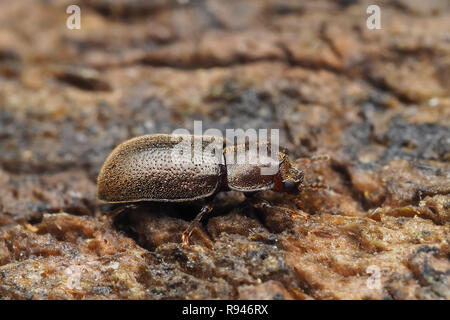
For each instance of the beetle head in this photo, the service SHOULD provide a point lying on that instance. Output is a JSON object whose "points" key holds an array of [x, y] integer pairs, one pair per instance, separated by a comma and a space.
{"points": [[289, 178]]}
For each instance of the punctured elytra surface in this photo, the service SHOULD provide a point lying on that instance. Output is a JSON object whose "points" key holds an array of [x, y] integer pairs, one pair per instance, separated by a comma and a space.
{"points": [[143, 169]]}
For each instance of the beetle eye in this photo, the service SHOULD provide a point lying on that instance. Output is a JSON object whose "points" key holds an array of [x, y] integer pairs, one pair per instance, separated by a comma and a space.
{"points": [[289, 185]]}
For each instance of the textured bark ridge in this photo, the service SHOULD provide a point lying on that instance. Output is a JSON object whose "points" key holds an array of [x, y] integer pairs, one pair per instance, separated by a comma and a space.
{"points": [[376, 101]]}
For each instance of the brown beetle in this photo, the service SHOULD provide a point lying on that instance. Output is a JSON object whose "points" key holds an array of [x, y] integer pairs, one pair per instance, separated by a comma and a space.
{"points": [[145, 169]]}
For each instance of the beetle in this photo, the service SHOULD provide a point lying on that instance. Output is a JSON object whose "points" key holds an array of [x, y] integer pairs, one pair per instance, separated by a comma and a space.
{"points": [[144, 169]]}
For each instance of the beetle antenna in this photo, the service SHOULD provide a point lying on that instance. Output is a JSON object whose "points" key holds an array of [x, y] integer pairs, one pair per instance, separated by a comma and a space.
{"points": [[313, 186], [306, 162]]}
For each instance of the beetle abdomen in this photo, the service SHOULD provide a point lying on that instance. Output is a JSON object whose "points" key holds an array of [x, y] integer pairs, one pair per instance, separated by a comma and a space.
{"points": [[145, 169]]}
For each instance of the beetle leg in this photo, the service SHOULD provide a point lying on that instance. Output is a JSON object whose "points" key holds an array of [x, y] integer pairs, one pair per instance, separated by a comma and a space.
{"points": [[187, 233], [265, 205], [115, 212]]}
